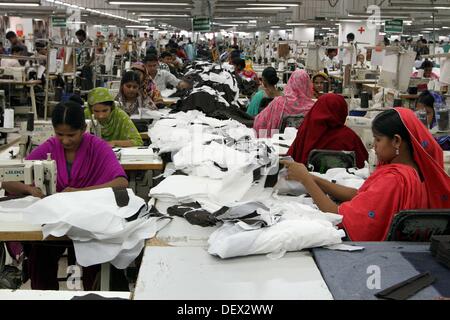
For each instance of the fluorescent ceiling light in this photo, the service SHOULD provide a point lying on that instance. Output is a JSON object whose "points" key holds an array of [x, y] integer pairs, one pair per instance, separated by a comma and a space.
{"points": [[273, 4], [263, 8], [142, 3], [76, 22], [164, 15], [137, 27], [296, 24], [241, 21], [19, 4]]}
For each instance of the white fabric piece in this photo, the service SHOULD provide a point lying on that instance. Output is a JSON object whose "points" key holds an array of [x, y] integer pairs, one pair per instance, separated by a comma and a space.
{"points": [[96, 224], [17, 205], [231, 241]]}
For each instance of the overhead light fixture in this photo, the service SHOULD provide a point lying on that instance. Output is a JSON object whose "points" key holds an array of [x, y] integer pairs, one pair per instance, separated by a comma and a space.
{"points": [[76, 22], [137, 27], [262, 8], [273, 4], [164, 15], [19, 4], [142, 3], [296, 24]]}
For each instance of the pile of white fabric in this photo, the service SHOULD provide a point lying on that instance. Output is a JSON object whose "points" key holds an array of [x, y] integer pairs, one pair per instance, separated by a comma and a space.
{"points": [[101, 230], [298, 227], [133, 153]]}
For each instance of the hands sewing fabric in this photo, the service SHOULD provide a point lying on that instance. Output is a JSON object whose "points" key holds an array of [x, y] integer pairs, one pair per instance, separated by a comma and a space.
{"points": [[296, 171], [36, 192]]}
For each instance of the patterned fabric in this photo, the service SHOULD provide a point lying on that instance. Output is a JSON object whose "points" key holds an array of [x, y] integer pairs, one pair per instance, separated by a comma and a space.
{"points": [[148, 86], [119, 125], [297, 99], [133, 107], [164, 66], [83, 53]]}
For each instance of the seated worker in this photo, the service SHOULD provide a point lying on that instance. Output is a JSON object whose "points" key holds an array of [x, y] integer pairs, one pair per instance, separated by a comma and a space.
{"points": [[12, 62], [116, 126], [148, 86], [240, 71], [297, 100], [324, 128], [331, 60], [265, 96], [164, 60], [318, 84], [425, 72], [166, 63], [84, 162], [410, 175], [429, 101], [130, 96], [11, 36], [361, 61], [162, 78]]}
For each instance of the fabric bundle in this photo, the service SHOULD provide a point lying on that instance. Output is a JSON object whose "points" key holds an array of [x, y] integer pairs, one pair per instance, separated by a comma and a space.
{"points": [[101, 230]]}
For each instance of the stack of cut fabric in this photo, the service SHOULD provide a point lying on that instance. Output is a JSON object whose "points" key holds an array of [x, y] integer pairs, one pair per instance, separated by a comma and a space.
{"points": [[136, 153]]}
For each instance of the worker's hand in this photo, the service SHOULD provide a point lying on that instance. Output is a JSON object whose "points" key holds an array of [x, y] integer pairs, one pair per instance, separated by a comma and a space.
{"points": [[296, 171], [36, 192], [183, 85], [70, 189]]}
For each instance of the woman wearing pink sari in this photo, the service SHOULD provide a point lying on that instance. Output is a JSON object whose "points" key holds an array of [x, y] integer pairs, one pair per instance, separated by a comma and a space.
{"points": [[297, 99], [84, 162]]}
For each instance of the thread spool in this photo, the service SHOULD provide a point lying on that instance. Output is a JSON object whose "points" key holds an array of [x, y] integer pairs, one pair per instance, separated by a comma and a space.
{"points": [[364, 99], [30, 121], [8, 120]]}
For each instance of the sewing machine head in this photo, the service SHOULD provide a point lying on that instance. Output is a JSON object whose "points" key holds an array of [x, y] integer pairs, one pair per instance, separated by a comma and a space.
{"points": [[17, 73], [363, 128], [415, 82], [42, 174]]}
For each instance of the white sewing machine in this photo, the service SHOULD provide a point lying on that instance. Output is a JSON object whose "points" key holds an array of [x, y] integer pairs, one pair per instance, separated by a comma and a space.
{"points": [[364, 74], [40, 173], [363, 128], [18, 73], [43, 130]]}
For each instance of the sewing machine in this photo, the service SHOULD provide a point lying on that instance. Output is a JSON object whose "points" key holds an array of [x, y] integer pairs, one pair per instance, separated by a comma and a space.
{"points": [[415, 82], [41, 131], [365, 74], [40, 173], [363, 128], [17, 73]]}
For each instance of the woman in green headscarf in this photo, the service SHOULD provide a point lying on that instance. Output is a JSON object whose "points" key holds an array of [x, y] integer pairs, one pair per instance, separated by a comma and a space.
{"points": [[116, 126]]}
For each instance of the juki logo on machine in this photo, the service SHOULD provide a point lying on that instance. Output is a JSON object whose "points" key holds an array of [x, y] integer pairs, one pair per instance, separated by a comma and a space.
{"points": [[14, 172]]}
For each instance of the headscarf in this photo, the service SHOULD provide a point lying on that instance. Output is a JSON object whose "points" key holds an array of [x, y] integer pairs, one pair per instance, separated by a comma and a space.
{"points": [[119, 125], [324, 128], [297, 99], [429, 157], [148, 86]]}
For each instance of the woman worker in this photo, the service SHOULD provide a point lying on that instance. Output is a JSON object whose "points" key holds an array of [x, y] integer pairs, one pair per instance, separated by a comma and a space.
{"points": [[79, 157], [410, 175]]}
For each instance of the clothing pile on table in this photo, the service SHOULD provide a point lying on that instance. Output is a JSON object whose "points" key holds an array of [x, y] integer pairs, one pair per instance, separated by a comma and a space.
{"points": [[222, 175], [141, 153], [214, 91], [105, 225]]}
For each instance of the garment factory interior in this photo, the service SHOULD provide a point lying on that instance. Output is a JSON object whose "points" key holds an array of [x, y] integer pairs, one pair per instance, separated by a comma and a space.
{"points": [[225, 150]]}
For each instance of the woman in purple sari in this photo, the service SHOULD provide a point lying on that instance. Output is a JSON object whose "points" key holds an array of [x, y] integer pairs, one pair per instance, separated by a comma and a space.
{"points": [[84, 162]]}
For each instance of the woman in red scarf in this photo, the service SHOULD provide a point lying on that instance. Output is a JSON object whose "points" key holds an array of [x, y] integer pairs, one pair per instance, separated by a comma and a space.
{"points": [[410, 175], [324, 128]]}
